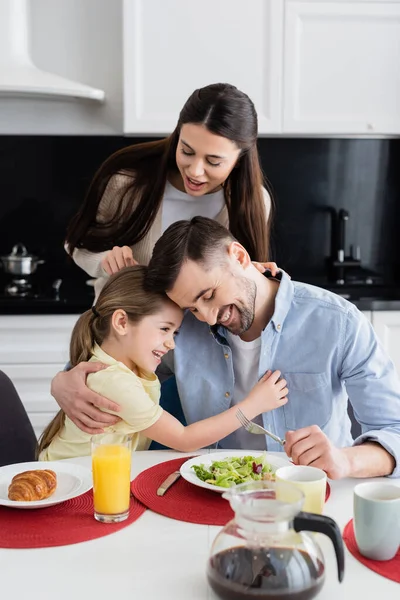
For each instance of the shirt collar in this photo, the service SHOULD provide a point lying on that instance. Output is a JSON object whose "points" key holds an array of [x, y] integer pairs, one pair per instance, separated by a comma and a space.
{"points": [[283, 301], [105, 358]]}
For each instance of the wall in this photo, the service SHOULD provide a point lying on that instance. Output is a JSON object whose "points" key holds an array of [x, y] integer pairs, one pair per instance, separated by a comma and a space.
{"points": [[43, 179], [65, 41]]}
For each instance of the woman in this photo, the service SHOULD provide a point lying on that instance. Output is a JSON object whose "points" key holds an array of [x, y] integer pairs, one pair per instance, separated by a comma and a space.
{"points": [[208, 166]]}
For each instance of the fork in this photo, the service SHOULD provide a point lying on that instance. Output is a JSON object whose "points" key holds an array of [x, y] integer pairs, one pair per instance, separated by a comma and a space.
{"points": [[254, 428]]}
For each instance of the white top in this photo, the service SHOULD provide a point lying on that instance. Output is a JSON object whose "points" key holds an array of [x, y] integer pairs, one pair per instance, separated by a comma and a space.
{"points": [[160, 558], [212, 205], [179, 205], [245, 359]]}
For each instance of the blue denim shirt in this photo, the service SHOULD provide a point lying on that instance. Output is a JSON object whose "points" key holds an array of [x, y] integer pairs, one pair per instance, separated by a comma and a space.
{"points": [[326, 350]]}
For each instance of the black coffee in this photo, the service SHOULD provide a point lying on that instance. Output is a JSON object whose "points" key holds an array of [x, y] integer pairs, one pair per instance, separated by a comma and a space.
{"points": [[265, 574]]}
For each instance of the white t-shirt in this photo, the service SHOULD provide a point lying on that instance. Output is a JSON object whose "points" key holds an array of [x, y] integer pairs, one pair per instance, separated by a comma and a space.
{"points": [[246, 359], [179, 205]]}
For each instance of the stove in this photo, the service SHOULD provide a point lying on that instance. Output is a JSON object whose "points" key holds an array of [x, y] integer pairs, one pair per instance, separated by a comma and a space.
{"points": [[26, 287], [34, 295]]}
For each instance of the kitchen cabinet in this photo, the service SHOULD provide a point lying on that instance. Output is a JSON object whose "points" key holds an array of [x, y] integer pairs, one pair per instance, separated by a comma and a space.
{"points": [[172, 48], [311, 67], [387, 327], [32, 350], [342, 67]]}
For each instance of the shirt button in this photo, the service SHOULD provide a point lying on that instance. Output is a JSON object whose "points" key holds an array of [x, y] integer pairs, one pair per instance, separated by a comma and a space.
{"points": [[226, 355], [278, 326], [227, 394]]}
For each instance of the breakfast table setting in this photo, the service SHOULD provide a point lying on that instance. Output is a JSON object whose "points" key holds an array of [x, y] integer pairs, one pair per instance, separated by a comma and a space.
{"points": [[163, 546]]}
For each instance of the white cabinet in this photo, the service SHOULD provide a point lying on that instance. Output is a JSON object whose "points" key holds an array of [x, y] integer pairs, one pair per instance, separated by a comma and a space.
{"points": [[342, 67], [32, 350], [387, 327], [173, 47], [311, 67]]}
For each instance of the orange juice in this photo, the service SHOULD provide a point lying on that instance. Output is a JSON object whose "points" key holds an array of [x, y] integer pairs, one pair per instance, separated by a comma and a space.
{"points": [[111, 479]]}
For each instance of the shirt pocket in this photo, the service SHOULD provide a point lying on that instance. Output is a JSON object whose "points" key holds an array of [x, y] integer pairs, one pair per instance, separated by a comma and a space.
{"points": [[309, 400]]}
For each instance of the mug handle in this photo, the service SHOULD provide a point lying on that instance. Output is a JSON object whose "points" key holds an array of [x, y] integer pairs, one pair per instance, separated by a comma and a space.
{"points": [[304, 521]]}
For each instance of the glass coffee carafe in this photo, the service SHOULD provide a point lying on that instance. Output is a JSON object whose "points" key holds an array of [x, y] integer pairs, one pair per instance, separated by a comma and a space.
{"points": [[265, 552]]}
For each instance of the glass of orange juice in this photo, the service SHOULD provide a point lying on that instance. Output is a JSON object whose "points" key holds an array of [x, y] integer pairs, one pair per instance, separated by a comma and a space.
{"points": [[111, 465]]}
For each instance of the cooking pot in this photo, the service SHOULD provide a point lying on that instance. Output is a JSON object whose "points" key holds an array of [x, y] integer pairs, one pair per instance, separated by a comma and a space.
{"points": [[20, 262]]}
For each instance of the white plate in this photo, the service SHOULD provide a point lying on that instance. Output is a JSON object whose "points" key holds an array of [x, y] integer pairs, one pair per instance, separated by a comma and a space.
{"points": [[72, 480], [188, 473]]}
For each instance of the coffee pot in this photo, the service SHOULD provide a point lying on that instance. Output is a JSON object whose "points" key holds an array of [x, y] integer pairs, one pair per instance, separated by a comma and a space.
{"points": [[266, 552]]}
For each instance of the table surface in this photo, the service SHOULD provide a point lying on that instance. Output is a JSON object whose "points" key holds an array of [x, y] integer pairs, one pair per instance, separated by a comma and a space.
{"points": [[157, 558]]}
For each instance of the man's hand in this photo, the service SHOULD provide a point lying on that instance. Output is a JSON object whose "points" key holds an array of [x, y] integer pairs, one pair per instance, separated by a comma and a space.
{"points": [[310, 446], [79, 402]]}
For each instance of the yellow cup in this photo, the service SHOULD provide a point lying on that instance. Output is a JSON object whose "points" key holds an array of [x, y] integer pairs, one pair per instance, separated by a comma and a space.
{"points": [[111, 466], [310, 480]]}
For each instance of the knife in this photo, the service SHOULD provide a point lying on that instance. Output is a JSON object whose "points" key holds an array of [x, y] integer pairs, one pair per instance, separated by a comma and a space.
{"points": [[168, 482]]}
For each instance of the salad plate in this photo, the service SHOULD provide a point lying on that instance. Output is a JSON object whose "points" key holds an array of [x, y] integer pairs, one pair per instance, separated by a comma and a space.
{"points": [[270, 461]]}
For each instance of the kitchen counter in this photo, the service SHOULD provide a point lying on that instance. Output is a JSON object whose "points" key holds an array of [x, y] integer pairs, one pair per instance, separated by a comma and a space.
{"points": [[75, 297], [369, 297]]}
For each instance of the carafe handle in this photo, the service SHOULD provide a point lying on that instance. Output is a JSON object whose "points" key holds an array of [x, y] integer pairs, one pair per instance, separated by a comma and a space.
{"points": [[304, 521]]}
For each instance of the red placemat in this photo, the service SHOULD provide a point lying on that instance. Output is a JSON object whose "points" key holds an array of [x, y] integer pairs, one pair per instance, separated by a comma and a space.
{"points": [[183, 501], [327, 492], [387, 568], [67, 523]]}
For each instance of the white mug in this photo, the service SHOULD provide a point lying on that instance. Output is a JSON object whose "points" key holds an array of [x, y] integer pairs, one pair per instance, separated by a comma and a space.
{"points": [[377, 519]]}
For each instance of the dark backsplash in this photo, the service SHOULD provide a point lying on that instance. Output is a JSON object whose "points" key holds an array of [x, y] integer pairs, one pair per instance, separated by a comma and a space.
{"points": [[43, 180]]}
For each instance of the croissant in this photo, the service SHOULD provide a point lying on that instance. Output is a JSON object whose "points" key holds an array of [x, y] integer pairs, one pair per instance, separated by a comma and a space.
{"points": [[32, 485]]}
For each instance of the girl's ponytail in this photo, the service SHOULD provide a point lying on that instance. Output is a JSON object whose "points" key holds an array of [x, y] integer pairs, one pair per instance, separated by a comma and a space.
{"points": [[82, 338]]}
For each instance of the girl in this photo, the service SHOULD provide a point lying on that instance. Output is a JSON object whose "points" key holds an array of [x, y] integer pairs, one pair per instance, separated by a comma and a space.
{"points": [[130, 329], [208, 166]]}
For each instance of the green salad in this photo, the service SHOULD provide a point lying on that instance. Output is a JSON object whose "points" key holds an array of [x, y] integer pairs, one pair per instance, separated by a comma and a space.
{"points": [[235, 470]]}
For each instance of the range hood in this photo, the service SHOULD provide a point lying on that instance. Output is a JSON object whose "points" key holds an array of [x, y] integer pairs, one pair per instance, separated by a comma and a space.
{"points": [[18, 75]]}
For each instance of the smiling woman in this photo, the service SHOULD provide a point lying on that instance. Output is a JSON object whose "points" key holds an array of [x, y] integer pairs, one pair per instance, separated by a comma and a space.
{"points": [[208, 166]]}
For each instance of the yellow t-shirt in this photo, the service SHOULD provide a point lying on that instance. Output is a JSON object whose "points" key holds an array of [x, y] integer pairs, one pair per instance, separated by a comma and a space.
{"points": [[138, 398]]}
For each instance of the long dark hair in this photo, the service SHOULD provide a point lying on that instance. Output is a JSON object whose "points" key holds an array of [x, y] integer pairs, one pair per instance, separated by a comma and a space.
{"points": [[123, 290], [223, 110]]}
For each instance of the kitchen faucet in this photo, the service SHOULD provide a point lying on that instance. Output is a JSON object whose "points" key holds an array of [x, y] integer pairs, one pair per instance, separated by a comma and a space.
{"points": [[338, 263], [343, 217]]}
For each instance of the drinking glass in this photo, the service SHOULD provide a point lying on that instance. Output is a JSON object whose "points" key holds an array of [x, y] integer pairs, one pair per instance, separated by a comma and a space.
{"points": [[111, 465]]}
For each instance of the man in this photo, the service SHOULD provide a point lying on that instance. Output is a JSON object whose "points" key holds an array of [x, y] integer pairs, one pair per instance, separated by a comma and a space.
{"points": [[240, 323]]}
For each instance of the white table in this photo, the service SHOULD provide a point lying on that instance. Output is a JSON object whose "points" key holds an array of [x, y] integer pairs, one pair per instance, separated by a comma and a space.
{"points": [[157, 558]]}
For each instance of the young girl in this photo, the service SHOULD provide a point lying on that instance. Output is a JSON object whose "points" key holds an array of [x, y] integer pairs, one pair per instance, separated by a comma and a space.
{"points": [[130, 330]]}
